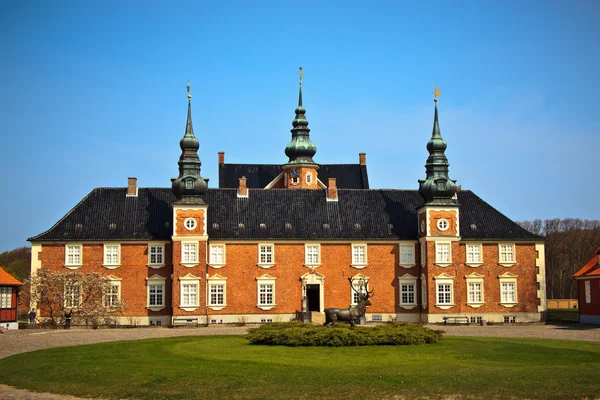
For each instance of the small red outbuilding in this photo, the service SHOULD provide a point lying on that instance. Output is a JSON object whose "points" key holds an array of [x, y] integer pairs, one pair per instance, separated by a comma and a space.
{"points": [[9, 295], [588, 285]]}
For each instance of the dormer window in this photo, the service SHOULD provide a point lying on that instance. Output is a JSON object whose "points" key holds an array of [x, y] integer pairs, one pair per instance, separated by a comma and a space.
{"points": [[309, 178]]}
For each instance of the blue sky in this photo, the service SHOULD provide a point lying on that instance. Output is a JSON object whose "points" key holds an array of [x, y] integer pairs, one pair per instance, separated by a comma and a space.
{"points": [[94, 92]]}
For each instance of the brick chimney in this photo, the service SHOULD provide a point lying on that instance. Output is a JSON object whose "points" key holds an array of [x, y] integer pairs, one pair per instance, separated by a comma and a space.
{"points": [[221, 157], [132, 190], [243, 189], [332, 194], [362, 158]]}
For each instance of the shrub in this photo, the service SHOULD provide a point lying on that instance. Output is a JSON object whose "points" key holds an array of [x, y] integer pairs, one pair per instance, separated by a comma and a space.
{"points": [[295, 333]]}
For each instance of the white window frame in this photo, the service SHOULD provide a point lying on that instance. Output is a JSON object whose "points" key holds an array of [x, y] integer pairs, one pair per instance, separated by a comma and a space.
{"points": [[475, 279], [506, 279], [73, 264], [473, 250], [261, 282], [356, 256], [443, 224], [69, 298], [160, 253], [358, 285], [308, 178], [189, 281], [440, 280], [309, 254], [442, 261], [266, 263], [588, 291], [157, 281], [190, 224], [407, 260], [214, 282], [6, 293], [114, 282], [507, 262], [213, 259], [109, 262], [408, 281], [191, 261]]}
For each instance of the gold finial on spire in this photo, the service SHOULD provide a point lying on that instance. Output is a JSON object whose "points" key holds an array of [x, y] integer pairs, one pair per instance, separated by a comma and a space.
{"points": [[301, 75], [436, 92], [189, 87]]}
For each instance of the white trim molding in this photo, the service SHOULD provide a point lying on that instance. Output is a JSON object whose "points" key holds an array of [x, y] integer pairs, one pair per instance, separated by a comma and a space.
{"points": [[74, 258], [476, 254], [156, 281], [192, 259], [309, 259], [157, 255], [112, 258], [441, 259], [216, 260], [187, 296], [506, 257], [357, 256], [409, 256]]}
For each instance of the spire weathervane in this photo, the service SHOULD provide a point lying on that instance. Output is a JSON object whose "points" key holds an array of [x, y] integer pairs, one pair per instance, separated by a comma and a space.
{"points": [[189, 88], [301, 75], [436, 92]]}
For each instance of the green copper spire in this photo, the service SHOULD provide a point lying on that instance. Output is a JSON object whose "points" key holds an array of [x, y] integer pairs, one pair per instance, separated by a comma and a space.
{"points": [[437, 188], [300, 150], [189, 187]]}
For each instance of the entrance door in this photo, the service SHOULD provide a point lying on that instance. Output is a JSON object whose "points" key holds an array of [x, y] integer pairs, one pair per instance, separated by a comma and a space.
{"points": [[313, 297]]}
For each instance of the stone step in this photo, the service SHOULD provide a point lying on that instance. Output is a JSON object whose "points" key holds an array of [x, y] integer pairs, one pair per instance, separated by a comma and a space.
{"points": [[317, 317]]}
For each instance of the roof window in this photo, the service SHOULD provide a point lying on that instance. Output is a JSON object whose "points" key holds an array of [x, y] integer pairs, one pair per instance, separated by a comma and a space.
{"points": [[112, 227], [78, 227]]}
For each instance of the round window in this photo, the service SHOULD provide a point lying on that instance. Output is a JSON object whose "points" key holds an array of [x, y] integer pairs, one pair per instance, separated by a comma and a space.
{"points": [[443, 224], [190, 224]]}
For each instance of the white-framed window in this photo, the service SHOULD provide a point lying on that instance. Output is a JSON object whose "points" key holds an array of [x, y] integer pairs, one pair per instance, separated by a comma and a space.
{"points": [[189, 253], [312, 254], [266, 254], [510, 319], [217, 255], [506, 254], [475, 320], [156, 292], [112, 294], [359, 288], [189, 294], [5, 297], [190, 224], [508, 290], [444, 291], [112, 255], [72, 295], [156, 255], [407, 255], [588, 291], [474, 254], [443, 224], [217, 292], [408, 291], [265, 287], [359, 255], [443, 253], [73, 255], [309, 180], [475, 291]]}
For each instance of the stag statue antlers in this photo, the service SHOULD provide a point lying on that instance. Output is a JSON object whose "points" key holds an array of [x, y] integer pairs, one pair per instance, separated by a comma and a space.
{"points": [[353, 313]]}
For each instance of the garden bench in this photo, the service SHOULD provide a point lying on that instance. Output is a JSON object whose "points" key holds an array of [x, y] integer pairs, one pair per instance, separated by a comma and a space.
{"points": [[459, 319]]}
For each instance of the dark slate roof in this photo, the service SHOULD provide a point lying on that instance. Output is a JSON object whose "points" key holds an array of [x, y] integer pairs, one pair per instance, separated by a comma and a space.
{"points": [[258, 176], [359, 214]]}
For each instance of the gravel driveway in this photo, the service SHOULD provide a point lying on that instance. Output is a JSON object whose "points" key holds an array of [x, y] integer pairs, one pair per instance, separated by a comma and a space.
{"points": [[22, 341]]}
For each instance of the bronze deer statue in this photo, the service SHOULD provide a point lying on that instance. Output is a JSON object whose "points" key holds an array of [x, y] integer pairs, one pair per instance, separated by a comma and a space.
{"points": [[353, 313]]}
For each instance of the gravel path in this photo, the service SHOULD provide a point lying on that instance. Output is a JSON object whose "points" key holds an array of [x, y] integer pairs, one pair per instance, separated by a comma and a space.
{"points": [[22, 341]]}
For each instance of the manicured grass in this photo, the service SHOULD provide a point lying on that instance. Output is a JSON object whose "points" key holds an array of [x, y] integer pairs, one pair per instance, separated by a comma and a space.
{"points": [[227, 367], [563, 315]]}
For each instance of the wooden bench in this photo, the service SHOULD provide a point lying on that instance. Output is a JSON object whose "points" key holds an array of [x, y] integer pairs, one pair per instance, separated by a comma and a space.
{"points": [[459, 319]]}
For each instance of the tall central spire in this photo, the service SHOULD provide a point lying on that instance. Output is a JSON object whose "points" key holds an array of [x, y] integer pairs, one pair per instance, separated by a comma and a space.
{"points": [[437, 188], [189, 187], [300, 150]]}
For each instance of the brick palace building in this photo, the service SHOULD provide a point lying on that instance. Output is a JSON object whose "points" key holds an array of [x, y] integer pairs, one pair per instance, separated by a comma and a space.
{"points": [[275, 240]]}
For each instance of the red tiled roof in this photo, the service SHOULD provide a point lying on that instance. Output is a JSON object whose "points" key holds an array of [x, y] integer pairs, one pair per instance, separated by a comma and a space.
{"points": [[591, 268], [8, 279]]}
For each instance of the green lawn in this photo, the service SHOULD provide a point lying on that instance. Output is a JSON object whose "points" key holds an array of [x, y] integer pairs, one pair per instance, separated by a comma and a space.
{"points": [[226, 367]]}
